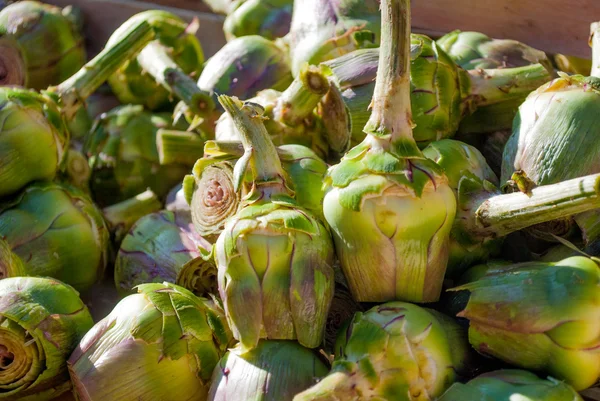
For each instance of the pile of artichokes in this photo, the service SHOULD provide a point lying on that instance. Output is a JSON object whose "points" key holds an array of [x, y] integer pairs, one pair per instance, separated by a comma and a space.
{"points": [[331, 207]]}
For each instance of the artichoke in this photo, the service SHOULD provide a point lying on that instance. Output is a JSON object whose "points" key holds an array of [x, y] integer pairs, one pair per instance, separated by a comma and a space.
{"points": [[163, 247], [40, 45], [55, 231], [273, 371], [130, 82], [508, 385], [270, 19], [395, 351], [539, 316], [161, 343], [390, 209], [41, 323], [274, 258], [124, 158]]}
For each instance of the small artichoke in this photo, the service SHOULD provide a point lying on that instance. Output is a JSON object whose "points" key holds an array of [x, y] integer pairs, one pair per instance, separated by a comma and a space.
{"points": [[55, 231], [161, 343], [270, 19], [395, 351], [40, 45], [132, 85], [538, 315], [164, 247], [274, 258], [41, 322]]}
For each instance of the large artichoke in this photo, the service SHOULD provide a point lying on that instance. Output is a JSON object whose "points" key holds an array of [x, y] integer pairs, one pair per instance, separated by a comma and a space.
{"points": [[164, 247], [40, 45], [273, 371], [538, 315], [274, 258], [395, 351], [270, 19], [55, 231], [41, 323], [159, 344]]}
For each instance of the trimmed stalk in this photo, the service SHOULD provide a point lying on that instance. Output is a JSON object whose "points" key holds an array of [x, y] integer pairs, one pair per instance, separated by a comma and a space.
{"points": [[302, 96], [121, 216], [179, 147]]}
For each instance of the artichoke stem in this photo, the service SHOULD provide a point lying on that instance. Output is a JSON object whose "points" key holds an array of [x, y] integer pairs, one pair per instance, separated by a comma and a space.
{"points": [[12, 65], [84, 82], [502, 214], [491, 86], [300, 99], [390, 123], [595, 42], [155, 60], [220, 148], [77, 168], [179, 147], [121, 216]]}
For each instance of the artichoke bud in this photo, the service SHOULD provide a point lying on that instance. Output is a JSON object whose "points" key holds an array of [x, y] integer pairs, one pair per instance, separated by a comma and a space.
{"points": [[273, 371], [270, 19], [131, 84], [274, 257], [161, 343], [164, 247], [39, 46], [394, 351], [540, 316], [124, 158], [510, 384], [56, 231], [41, 322]]}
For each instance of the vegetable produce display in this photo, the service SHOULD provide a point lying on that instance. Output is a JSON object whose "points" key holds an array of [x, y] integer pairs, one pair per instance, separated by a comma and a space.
{"points": [[331, 206]]}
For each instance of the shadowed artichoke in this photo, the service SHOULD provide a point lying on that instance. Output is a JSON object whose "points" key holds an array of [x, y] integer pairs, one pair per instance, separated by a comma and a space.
{"points": [[160, 344], [395, 351], [55, 231], [40, 45], [41, 323], [270, 19]]}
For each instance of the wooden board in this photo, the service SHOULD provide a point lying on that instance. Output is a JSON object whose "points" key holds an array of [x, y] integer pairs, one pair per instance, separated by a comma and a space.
{"points": [[102, 17]]}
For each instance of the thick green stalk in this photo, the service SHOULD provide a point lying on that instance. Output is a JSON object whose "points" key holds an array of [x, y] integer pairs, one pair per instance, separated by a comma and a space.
{"points": [[121, 216], [155, 60], [179, 147], [595, 42], [82, 84], [303, 95], [390, 123]]}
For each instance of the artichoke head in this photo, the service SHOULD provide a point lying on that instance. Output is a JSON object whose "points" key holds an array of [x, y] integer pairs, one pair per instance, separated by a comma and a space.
{"points": [[270, 19]]}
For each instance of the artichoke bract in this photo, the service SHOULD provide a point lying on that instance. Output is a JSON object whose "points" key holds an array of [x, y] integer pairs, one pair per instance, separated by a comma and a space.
{"points": [[164, 247], [274, 258], [55, 231], [394, 351], [508, 385], [390, 209], [273, 371], [124, 158], [539, 316], [41, 322], [40, 45], [132, 85], [159, 344], [270, 19]]}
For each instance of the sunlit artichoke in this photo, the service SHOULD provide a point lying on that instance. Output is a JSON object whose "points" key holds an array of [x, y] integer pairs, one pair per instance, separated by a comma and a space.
{"points": [[132, 85], [56, 231], [270, 19], [395, 351], [40, 45], [159, 344], [41, 323]]}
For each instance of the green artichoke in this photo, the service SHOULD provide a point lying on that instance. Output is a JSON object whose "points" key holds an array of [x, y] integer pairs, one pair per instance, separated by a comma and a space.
{"points": [[391, 209], [510, 385], [290, 115], [41, 323], [539, 316], [56, 231], [274, 258], [164, 247], [40, 45], [130, 82], [270, 19], [397, 352], [273, 371], [159, 344], [124, 158]]}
